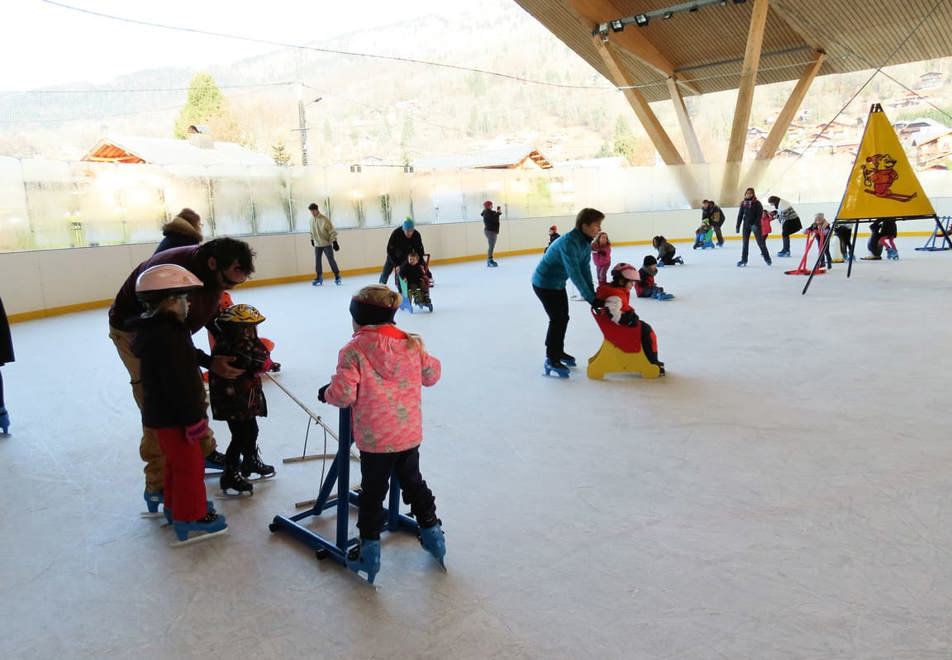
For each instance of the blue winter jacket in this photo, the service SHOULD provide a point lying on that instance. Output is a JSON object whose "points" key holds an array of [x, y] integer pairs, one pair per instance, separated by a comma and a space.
{"points": [[568, 257]]}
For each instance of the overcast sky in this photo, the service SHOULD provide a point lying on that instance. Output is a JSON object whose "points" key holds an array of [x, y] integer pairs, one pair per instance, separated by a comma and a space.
{"points": [[43, 44]]}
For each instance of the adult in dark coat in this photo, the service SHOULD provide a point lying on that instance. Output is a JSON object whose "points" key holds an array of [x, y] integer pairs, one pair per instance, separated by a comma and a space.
{"points": [[6, 355], [491, 229], [184, 229], [748, 216], [714, 216], [403, 239], [220, 264]]}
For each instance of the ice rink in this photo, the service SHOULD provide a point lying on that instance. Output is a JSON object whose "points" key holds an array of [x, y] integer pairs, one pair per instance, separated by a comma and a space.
{"points": [[784, 492]]}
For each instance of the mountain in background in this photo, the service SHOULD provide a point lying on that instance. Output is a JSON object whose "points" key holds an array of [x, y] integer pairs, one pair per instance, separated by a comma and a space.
{"points": [[398, 111]]}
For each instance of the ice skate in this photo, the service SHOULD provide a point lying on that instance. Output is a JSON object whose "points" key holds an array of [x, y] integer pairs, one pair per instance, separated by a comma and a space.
{"points": [[661, 295], [555, 365], [338, 281], [152, 501], [232, 480], [167, 512], [368, 560], [215, 461], [253, 465], [741, 264], [568, 360], [783, 253], [4, 421], [211, 525], [433, 541]]}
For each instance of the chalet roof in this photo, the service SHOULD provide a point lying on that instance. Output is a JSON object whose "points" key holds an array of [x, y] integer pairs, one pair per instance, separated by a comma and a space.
{"points": [[168, 151], [705, 48], [507, 158]]}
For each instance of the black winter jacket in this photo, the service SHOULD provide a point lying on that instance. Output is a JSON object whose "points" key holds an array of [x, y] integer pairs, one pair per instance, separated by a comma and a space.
{"points": [[242, 397], [399, 246], [749, 214], [6, 341], [491, 220], [173, 392]]}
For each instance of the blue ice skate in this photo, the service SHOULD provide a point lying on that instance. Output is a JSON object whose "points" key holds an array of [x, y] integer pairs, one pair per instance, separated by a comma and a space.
{"points": [[153, 500], [662, 295], [4, 420], [211, 525], [369, 559], [433, 541], [209, 508], [560, 369]]}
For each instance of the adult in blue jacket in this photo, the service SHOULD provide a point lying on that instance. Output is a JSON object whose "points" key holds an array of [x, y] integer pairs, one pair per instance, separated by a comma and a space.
{"points": [[567, 258]]}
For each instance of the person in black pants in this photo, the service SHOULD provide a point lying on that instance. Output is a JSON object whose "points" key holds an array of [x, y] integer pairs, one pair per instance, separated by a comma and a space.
{"points": [[6, 355], [748, 217], [712, 213], [789, 222], [491, 230], [844, 233]]}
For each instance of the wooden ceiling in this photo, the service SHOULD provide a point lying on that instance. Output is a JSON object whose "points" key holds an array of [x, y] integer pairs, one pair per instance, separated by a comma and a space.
{"points": [[705, 49]]}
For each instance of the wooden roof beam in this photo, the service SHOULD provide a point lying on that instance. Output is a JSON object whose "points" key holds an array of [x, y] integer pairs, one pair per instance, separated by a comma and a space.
{"points": [[789, 111], [745, 98], [592, 12], [687, 128]]}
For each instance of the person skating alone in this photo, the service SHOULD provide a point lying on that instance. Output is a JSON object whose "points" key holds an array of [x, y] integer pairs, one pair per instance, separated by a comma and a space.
{"points": [[239, 401], [380, 372], [491, 230], [324, 240], [6, 355], [748, 217]]}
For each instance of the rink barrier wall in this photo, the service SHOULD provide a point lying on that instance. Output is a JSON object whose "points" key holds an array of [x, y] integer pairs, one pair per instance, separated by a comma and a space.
{"points": [[43, 283]]}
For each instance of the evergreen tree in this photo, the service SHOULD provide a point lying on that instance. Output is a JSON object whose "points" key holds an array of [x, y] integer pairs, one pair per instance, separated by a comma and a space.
{"points": [[204, 103], [280, 154]]}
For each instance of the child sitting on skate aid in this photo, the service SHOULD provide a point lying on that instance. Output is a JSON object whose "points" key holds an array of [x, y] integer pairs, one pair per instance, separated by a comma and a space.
{"points": [[414, 279], [614, 299], [174, 397], [380, 372]]}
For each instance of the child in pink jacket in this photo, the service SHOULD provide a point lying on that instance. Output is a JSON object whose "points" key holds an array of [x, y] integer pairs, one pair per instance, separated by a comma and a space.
{"points": [[379, 374], [602, 256]]}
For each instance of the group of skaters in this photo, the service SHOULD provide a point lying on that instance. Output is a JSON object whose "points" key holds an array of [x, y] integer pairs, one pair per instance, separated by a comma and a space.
{"points": [[181, 290], [753, 219]]}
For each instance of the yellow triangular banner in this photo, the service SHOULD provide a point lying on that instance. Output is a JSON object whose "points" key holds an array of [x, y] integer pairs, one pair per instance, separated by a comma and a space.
{"points": [[882, 183]]}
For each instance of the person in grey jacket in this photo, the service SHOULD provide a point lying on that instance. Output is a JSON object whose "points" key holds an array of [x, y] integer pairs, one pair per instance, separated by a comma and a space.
{"points": [[324, 240]]}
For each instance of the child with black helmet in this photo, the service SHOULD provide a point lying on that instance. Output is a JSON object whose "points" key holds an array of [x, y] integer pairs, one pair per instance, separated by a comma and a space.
{"points": [[645, 287], [173, 396], [240, 400]]}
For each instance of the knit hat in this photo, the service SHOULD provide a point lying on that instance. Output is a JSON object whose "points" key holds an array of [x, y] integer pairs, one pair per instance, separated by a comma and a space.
{"points": [[365, 313], [408, 224], [650, 261], [487, 204]]}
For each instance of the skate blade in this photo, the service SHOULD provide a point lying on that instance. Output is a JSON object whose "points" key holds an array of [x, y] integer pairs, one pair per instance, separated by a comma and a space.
{"points": [[235, 495], [197, 539], [149, 514], [261, 477]]}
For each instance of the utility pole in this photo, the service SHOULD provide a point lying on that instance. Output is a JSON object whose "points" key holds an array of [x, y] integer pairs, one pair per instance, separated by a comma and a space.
{"points": [[302, 121]]}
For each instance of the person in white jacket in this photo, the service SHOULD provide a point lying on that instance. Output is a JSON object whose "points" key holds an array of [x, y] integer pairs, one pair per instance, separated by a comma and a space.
{"points": [[324, 240]]}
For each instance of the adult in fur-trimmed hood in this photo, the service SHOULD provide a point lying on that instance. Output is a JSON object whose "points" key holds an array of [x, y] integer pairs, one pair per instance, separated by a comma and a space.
{"points": [[184, 229]]}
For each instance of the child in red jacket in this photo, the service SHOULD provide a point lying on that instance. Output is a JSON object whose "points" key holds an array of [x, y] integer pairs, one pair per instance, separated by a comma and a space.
{"points": [[615, 297], [645, 287]]}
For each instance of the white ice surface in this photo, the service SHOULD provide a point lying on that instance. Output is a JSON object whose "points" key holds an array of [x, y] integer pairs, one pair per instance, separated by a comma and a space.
{"points": [[784, 492]]}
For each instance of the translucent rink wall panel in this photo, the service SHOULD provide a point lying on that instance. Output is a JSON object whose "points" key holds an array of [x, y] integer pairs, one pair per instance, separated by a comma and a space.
{"points": [[271, 194], [120, 203], [391, 195], [15, 231], [347, 197], [232, 203], [308, 184], [189, 187], [51, 202]]}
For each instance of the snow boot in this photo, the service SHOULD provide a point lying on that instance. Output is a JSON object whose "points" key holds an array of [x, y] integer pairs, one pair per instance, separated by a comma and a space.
{"points": [[4, 420], [215, 460], [368, 560], [231, 479], [433, 541], [153, 500], [253, 465], [555, 365]]}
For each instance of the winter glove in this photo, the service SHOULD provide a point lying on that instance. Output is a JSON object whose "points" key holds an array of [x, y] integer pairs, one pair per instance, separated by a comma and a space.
{"points": [[320, 393], [275, 367], [598, 306], [312, 243], [336, 246], [628, 318], [195, 432]]}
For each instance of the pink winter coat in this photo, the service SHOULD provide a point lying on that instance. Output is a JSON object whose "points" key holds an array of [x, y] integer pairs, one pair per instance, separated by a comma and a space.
{"points": [[602, 255], [379, 373]]}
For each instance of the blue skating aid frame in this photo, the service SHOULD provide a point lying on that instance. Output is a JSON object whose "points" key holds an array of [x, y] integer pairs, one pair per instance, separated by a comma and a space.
{"points": [[339, 474], [941, 234]]}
